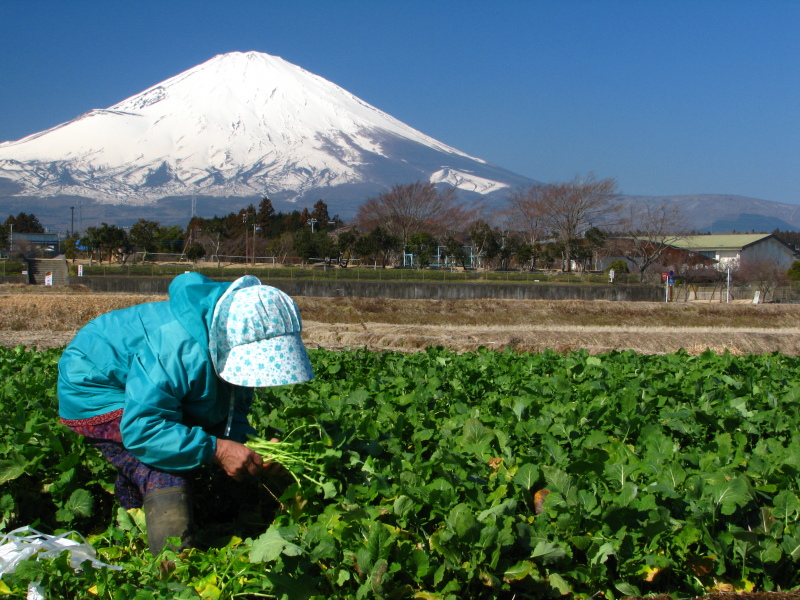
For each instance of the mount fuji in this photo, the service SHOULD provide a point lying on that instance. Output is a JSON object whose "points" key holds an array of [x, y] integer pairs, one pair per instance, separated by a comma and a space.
{"points": [[226, 133]]}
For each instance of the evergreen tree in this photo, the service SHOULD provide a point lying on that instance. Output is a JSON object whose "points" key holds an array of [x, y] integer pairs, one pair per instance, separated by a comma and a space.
{"points": [[107, 240], [265, 212], [195, 251], [345, 242], [320, 215], [378, 244], [423, 246], [455, 251], [144, 235], [25, 223]]}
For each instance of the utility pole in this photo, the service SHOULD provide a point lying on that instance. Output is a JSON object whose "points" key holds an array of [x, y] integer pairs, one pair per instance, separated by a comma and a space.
{"points": [[72, 224], [244, 221]]}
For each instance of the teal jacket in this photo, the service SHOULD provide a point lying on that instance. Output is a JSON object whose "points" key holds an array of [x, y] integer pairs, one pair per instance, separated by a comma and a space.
{"points": [[153, 362]]}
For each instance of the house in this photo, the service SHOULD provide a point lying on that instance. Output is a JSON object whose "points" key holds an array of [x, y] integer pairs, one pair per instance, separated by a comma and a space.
{"points": [[669, 257], [735, 249], [27, 243]]}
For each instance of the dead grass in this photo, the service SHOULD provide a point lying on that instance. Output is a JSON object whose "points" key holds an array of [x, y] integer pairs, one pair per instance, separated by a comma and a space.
{"points": [[546, 312], [33, 317], [60, 311], [525, 338]]}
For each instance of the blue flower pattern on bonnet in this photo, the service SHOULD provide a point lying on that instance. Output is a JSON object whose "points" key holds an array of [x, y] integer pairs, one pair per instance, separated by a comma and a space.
{"points": [[255, 337]]}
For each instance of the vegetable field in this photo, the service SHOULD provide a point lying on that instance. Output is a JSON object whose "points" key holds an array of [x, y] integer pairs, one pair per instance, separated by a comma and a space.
{"points": [[444, 475]]}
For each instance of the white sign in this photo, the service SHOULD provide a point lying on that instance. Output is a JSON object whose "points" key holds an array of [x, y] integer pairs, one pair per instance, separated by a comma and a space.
{"points": [[80, 270], [48, 278], [757, 297]]}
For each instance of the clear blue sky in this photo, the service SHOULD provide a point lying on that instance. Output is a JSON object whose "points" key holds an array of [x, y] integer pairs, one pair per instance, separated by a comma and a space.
{"points": [[669, 97]]}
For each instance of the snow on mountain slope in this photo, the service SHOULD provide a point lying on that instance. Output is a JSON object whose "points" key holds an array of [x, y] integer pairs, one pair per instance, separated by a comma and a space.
{"points": [[467, 181], [240, 124]]}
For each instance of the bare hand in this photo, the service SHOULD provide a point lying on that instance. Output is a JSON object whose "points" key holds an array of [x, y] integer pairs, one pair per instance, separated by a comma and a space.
{"points": [[239, 461]]}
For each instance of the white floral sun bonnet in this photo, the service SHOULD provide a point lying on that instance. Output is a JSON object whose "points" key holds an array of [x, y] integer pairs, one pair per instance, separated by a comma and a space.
{"points": [[255, 337]]}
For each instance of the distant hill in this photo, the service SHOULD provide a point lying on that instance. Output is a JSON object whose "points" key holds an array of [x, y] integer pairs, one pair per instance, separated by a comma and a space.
{"points": [[720, 213]]}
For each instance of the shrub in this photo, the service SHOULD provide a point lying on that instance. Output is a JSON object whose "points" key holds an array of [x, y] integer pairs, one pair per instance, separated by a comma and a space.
{"points": [[619, 266], [794, 271], [13, 267]]}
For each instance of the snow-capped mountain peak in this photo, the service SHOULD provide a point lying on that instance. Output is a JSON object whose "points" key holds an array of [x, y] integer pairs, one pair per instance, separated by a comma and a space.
{"points": [[240, 124]]}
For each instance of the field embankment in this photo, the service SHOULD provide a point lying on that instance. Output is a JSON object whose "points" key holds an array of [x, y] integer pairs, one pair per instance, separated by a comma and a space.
{"points": [[36, 317]]}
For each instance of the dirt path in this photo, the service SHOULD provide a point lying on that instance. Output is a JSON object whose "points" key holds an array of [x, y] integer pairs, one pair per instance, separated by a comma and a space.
{"points": [[33, 318], [465, 338]]}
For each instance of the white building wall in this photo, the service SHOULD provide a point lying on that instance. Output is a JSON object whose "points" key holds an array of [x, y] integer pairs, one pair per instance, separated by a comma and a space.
{"points": [[769, 251]]}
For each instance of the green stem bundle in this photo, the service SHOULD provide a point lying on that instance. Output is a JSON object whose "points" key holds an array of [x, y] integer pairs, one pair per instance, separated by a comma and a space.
{"points": [[296, 461]]}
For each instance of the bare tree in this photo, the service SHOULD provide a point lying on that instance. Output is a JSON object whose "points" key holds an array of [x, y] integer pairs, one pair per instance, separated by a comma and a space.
{"points": [[702, 275], [414, 208], [485, 242], [758, 274], [527, 212], [281, 246], [647, 232], [216, 232], [573, 207]]}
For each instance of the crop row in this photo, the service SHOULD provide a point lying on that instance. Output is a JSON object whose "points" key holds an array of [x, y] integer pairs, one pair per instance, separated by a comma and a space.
{"points": [[446, 475]]}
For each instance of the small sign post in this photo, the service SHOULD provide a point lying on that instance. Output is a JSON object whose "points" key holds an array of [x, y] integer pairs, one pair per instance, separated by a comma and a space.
{"points": [[669, 281]]}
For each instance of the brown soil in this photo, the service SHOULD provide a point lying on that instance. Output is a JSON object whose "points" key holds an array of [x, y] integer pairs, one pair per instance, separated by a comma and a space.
{"points": [[44, 318]]}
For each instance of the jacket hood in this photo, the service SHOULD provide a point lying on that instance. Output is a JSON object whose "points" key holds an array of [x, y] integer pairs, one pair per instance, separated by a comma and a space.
{"points": [[192, 298]]}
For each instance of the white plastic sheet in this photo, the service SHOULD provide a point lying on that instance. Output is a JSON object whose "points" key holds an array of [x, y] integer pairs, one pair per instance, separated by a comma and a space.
{"points": [[25, 542]]}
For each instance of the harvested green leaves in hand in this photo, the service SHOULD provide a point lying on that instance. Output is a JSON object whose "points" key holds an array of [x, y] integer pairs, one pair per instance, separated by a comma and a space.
{"points": [[304, 460]]}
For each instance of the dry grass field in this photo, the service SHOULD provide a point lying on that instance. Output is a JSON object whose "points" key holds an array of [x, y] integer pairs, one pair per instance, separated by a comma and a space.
{"points": [[49, 317]]}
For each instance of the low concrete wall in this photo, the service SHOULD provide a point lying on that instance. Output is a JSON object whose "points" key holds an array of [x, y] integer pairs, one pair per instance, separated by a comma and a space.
{"points": [[127, 285], [395, 289], [13, 279]]}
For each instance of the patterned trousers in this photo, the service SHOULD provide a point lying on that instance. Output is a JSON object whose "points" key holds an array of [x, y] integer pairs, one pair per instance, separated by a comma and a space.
{"points": [[134, 478]]}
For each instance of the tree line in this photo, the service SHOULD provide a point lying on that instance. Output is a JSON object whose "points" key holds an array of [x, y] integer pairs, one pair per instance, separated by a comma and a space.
{"points": [[564, 225]]}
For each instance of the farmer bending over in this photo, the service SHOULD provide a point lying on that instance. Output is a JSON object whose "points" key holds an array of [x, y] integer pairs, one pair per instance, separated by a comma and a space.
{"points": [[164, 387]]}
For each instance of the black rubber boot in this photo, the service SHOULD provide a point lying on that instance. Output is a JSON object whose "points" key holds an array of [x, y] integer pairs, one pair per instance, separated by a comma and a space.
{"points": [[168, 513]]}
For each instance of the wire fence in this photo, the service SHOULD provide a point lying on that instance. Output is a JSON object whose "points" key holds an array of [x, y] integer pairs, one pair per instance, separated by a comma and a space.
{"points": [[268, 268], [323, 271]]}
